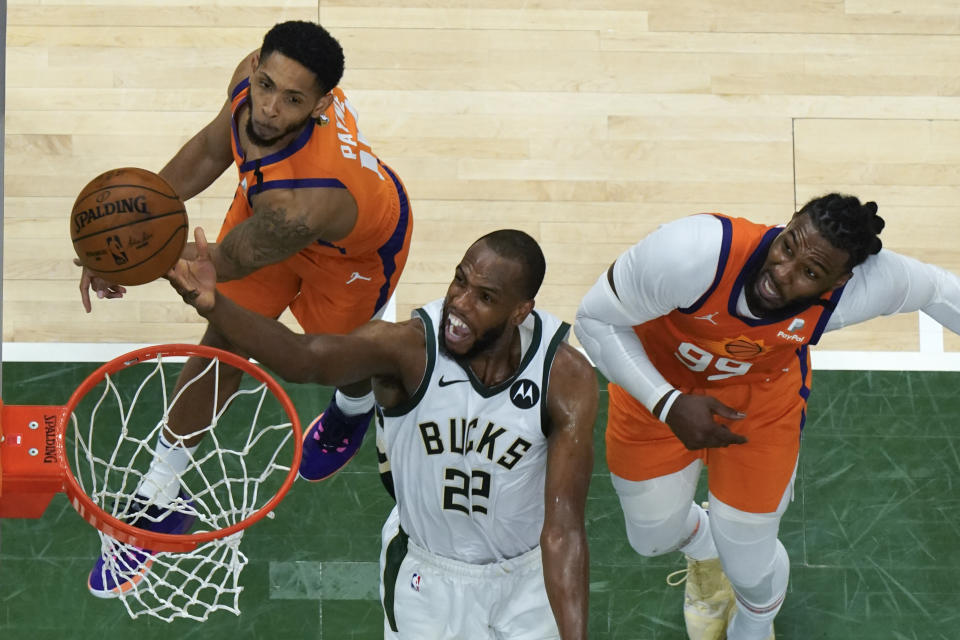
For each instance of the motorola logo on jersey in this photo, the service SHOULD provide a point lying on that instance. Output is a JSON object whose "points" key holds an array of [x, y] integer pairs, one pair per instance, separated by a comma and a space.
{"points": [[524, 394]]}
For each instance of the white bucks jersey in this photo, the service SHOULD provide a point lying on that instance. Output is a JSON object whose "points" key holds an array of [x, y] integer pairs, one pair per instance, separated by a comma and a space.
{"points": [[468, 461]]}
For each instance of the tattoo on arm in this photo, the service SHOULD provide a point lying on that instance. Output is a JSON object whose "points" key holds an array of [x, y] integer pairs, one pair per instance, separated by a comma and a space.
{"points": [[270, 235]]}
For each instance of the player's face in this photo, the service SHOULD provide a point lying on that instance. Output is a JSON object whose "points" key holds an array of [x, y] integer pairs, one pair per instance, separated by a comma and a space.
{"points": [[284, 97], [801, 266], [482, 303]]}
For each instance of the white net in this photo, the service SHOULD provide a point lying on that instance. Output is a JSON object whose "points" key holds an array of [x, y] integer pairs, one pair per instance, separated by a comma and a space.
{"points": [[239, 466]]}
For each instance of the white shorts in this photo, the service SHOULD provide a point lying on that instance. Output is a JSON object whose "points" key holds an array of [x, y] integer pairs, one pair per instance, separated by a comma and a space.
{"points": [[429, 596]]}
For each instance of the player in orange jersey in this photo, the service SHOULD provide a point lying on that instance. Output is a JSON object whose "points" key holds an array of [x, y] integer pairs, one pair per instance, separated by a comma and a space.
{"points": [[703, 329], [318, 225]]}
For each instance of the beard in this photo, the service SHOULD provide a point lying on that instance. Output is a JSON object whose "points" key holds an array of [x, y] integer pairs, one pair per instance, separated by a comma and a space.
{"points": [[761, 310], [260, 141], [480, 345]]}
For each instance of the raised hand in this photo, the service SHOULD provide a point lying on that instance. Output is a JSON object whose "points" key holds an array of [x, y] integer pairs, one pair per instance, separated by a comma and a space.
{"points": [[691, 418], [104, 288], [196, 279]]}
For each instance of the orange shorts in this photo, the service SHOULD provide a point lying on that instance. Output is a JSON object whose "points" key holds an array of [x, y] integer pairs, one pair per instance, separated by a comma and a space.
{"points": [[751, 477], [327, 294]]}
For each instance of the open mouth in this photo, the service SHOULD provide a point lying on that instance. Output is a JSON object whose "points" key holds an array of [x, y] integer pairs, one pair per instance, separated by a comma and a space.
{"points": [[767, 291], [455, 331]]}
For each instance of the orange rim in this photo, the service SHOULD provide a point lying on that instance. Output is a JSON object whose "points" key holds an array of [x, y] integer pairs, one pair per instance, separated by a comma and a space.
{"points": [[127, 533]]}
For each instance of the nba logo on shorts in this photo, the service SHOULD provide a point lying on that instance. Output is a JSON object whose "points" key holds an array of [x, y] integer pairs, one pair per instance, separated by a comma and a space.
{"points": [[415, 582]]}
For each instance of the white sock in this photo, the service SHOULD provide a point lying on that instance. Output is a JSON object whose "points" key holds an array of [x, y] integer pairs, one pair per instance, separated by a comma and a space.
{"points": [[754, 621], [749, 625], [354, 406], [161, 483], [700, 546]]}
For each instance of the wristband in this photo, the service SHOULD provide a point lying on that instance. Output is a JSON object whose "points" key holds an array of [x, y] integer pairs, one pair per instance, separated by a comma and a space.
{"points": [[671, 398]]}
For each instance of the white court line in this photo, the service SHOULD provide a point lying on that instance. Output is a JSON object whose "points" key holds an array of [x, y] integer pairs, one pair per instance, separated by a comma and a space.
{"points": [[823, 359], [101, 352], [931, 334], [931, 356]]}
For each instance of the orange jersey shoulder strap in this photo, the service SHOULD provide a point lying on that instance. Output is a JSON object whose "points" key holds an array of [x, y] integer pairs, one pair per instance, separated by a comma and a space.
{"points": [[710, 343]]}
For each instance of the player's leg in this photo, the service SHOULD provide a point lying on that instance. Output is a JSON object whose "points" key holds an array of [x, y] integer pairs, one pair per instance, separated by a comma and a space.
{"points": [[335, 436], [268, 292], [341, 305], [160, 487], [523, 610], [661, 517], [339, 293], [655, 477], [422, 598], [756, 563], [750, 489]]}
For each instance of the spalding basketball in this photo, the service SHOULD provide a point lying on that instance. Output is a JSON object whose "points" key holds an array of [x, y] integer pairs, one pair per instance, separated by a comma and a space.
{"points": [[128, 226]]}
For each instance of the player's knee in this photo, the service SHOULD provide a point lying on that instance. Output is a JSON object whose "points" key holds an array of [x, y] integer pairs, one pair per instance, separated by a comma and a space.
{"points": [[747, 544], [655, 537], [655, 511]]}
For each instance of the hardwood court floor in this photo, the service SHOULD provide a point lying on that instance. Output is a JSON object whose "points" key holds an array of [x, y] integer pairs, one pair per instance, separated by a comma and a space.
{"points": [[871, 535], [586, 124]]}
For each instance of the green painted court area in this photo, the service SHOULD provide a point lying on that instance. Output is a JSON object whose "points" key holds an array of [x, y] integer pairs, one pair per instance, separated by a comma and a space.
{"points": [[872, 534]]}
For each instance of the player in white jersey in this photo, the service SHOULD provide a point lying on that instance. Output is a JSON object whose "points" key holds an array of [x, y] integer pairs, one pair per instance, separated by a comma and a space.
{"points": [[734, 296], [486, 419]]}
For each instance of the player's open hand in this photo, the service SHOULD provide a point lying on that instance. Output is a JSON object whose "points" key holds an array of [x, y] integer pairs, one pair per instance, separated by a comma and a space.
{"points": [[692, 420], [196, 280], [104, 288]]}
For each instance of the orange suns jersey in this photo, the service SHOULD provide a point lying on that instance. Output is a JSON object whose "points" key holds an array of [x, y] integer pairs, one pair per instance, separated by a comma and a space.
{"points": [[331, 154], [709, 344]]}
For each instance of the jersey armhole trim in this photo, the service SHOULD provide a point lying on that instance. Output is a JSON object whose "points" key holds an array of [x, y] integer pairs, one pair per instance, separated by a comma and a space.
{"points": [[558, 338], [243, 84], [828, 309], [721, 265], [431, 347]]}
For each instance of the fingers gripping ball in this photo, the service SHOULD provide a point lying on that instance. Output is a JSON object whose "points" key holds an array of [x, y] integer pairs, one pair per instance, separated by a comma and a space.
{"points": [[128, 226]]}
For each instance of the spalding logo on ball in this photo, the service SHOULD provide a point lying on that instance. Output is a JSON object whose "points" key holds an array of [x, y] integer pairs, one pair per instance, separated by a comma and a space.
{"points": [[128, 226]]}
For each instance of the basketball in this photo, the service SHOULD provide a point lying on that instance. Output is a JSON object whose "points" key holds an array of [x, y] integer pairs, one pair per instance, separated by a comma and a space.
{"points": [[128, 226]]}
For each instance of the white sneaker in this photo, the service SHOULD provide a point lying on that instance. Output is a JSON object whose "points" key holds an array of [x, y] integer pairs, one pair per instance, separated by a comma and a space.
{"points": [[708, 598]]}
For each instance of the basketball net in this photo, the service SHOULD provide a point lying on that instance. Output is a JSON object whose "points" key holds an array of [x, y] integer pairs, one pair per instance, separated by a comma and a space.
{"points": [[241, 469]]}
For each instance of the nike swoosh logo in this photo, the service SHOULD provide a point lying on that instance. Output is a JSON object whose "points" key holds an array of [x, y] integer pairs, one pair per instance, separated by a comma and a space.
{"points": [[447, 383]]}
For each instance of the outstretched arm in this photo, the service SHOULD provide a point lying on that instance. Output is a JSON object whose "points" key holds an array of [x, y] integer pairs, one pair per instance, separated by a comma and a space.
{"points": [[375, 349], [889, 283], [572, 410], [191, 170], [208, 153]]}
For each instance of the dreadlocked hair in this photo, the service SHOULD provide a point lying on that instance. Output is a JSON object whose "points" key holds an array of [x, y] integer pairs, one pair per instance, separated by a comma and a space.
{"points": [[847, 224]]}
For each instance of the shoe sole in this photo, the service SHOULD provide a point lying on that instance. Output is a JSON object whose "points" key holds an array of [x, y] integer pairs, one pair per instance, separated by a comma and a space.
{"points": [[123, 588], [339, 469]]}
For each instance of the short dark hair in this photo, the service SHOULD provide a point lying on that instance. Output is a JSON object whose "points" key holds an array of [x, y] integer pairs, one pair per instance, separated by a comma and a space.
{"points": [[847, 224], [519, 246], [309, 44]]}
